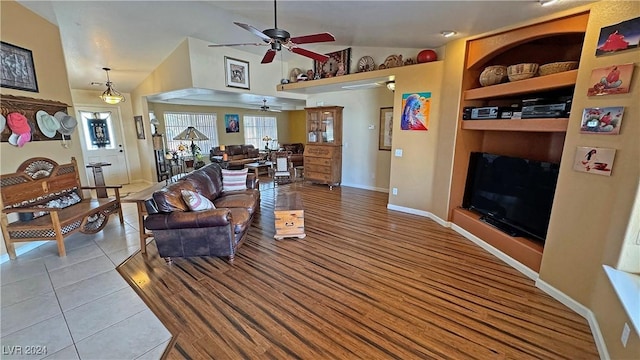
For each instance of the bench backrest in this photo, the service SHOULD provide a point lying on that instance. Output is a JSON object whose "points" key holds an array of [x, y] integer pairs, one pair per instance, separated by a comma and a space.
{"points": [[37, 180]]}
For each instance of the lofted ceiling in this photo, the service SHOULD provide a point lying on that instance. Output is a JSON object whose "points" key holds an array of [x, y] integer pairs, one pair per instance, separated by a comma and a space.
{"points": [[134, 37]]}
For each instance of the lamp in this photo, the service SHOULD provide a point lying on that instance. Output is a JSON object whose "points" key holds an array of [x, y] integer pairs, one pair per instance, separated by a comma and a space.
{"points": [[391, 85], [225, 157], [155, 122], [193, 134], [111, 95]]}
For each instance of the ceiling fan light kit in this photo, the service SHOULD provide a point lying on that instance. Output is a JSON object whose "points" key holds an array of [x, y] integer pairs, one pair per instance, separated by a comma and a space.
{"points": [[280, 38], [111, 96]]}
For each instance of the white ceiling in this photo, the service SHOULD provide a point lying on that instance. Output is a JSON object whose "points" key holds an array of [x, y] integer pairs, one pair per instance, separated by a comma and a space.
{"points": [[133, 37]]}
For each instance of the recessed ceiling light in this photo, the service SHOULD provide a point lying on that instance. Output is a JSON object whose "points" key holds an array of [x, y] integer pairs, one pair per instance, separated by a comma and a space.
{"points": [[447, 33], [547, 2]]}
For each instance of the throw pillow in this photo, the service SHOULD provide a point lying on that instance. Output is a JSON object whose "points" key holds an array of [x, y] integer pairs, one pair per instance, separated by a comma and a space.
{"points": [[233, 180], [196, 202]]}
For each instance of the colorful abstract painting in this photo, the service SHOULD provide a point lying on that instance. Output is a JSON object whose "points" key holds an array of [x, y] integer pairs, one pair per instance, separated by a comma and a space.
{"points": [[415, 111]]}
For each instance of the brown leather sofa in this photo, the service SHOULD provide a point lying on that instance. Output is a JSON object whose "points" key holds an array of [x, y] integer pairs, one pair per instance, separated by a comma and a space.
{"points": [[237, 155], [180, 232], [297, 151]]}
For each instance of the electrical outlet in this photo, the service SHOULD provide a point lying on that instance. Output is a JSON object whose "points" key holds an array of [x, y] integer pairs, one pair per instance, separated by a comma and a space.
{"points": [[625, 334], [372, 127], [394, 191], [398, 152]]}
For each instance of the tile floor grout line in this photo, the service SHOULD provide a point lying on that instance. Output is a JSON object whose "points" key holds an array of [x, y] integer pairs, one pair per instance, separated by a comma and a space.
{"points": [[64, 317]]}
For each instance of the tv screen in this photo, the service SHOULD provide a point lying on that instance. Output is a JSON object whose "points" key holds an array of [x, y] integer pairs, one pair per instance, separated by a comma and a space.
{"points": [[513, 194]]}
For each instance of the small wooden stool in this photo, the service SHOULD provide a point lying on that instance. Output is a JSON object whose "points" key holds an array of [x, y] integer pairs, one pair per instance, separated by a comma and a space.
{"points": [[289, 216]]}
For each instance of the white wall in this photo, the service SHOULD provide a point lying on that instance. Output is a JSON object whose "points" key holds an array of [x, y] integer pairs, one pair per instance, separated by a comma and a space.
{"points": [[363, 165]]}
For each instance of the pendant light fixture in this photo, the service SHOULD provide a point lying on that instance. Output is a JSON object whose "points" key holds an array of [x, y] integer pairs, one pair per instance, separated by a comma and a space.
{"points": [[111, 95]]}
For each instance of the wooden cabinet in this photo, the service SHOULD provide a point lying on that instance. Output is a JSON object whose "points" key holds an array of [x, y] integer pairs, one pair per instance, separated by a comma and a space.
{"points": [[323, 153], [538, 139], [324, 125]]}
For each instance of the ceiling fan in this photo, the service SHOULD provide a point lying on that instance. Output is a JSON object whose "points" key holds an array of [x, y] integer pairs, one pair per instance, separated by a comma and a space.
{"points": [[264, 107], [279, 38]]}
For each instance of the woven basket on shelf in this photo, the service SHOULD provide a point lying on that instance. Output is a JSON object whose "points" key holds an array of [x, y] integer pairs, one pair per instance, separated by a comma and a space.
{"points": [[556, 67], [522, 71], [492, 75]]}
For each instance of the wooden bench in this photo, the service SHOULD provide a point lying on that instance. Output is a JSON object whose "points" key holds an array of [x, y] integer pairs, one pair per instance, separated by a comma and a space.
{"points": [[38, 185]]}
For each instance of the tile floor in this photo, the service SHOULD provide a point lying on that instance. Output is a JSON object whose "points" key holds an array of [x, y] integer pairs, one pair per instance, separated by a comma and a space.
{"points": [[78, 307]]}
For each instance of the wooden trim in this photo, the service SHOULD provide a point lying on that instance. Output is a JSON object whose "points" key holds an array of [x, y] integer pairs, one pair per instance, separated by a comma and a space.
{"points": [[484, 48], [538, 125], [526, 251]]}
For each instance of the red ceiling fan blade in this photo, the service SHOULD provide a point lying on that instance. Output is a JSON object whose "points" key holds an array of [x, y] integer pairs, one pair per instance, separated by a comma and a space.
{"points": [[255, 31], [314, 38], [269, 56], [310, 54]]}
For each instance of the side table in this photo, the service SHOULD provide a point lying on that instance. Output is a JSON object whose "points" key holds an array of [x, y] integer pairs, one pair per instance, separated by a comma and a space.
{"points": [[98, 177], [139, 198]]}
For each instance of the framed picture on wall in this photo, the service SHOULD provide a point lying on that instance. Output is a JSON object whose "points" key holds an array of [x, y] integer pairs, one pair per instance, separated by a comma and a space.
{"points": [[594, 160], [139, 126], [16, 68], [603, 121], [236, 73], [232, 123], [610, 80], [386, 128]]}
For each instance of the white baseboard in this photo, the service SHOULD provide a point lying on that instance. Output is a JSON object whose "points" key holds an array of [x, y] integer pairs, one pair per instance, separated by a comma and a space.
{"points": [[22, 249], [144, 181], [420, 213], [581, 310], [550, 290], [365, 187], [497, 253]]}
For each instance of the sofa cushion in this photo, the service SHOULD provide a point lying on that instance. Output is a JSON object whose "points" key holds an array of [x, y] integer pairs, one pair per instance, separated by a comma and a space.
{"points": [[234, 180], [240, 218], [169, 198], [240, 200], [204, 183], [196, 202]]}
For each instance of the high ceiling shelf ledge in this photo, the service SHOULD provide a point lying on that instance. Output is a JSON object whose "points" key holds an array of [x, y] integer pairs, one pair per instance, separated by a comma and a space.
{"points": [[379, 77]]}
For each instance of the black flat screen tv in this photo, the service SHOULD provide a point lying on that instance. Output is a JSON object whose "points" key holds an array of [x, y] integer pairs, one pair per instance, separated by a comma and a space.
{"points": [[512, 194]]}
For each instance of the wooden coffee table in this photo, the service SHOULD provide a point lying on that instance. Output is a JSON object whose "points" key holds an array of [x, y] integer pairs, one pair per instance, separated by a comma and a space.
{"points": [[256, 167], [289, 216]]}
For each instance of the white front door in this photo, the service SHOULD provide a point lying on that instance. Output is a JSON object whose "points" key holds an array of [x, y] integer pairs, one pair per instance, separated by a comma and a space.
{"points": [[102, 140]]}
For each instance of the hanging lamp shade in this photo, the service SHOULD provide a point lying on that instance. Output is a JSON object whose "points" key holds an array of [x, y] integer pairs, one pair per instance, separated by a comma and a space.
{"points": [[111, 95]]}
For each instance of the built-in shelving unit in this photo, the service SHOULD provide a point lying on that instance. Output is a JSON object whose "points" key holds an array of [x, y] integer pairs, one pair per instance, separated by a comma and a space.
{"points": [[526, 86], [538, 139]]}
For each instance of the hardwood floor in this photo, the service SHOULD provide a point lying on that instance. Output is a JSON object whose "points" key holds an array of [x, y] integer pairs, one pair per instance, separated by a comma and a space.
{"points": [[366, 282]]}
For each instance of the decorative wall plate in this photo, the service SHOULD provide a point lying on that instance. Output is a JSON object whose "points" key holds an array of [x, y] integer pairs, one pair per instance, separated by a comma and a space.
{"points": [[393, 61], [366, 63]]}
